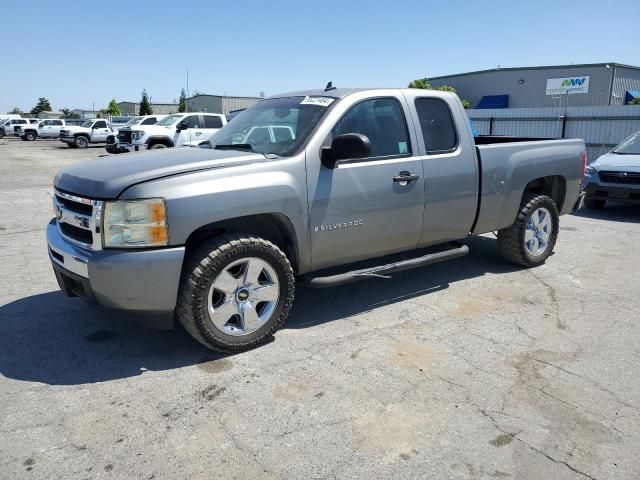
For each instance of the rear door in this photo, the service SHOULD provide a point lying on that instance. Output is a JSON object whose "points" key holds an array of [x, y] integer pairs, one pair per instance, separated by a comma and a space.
{"points": [[56, 126], [450, 166], [212, 123], [362, 208]]}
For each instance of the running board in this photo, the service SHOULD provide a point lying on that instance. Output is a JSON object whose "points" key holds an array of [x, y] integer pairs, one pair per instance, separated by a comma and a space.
{"points": [[381, 271]]}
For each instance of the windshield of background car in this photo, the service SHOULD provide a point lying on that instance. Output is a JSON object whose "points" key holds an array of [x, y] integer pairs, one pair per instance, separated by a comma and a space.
{"points": [[170, 120], [278, 126], [87, 124], [631, 146], [134, 121]]}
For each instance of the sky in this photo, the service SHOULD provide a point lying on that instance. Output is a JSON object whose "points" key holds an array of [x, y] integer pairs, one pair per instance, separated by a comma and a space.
{"points": [[78, 54]]}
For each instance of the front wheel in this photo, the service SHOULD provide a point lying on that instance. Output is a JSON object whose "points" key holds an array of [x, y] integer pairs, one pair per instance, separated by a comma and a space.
{"points": [[81, 142], [30, 136], [531, 238], [235, 292]]}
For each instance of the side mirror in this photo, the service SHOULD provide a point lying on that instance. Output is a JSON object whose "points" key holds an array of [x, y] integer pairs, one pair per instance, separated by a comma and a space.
{"points": [[346, 146], [183, 125]]}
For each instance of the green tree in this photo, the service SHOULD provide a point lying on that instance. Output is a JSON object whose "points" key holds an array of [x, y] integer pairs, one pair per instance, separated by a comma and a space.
{"points": [[635, 101], [182, 103], [16, 111], [145, 105], [113, 109], [43, 105], [424, 84], [67, 113]]}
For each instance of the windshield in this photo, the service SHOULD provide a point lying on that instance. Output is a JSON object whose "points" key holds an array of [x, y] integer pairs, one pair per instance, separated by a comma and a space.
{"points": [[631, 146], [87, 123], [278, 126], [170, 120], [134, 121]]}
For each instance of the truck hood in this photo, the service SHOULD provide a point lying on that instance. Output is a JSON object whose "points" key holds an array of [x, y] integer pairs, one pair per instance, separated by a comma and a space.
{"points": [[107, 177], [155, 129], [74, 129], [614, 161]]}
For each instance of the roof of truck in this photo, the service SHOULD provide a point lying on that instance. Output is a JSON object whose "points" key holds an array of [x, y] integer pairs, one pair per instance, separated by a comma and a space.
{"points": [[321, 92]]}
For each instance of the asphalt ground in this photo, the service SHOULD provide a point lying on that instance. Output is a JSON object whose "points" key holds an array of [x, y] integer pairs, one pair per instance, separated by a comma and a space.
{"points": [[465, 369]]}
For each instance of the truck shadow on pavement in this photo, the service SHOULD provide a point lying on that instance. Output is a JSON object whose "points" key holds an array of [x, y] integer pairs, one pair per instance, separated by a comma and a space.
{"points": [[55, 340]]}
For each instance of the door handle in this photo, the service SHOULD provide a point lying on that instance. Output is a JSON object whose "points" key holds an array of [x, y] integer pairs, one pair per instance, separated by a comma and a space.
{"points": [[405, 177]]}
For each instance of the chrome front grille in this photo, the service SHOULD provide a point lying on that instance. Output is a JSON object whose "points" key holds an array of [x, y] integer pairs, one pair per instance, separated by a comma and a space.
{"points": [[79, 219]]}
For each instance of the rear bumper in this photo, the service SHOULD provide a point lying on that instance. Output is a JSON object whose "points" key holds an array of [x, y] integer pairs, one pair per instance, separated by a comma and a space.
{"points": [[615, 193], [143, 282]]}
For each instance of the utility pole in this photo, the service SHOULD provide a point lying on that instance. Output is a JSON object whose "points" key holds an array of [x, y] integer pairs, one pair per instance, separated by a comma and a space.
{"points": [[188, 94]]}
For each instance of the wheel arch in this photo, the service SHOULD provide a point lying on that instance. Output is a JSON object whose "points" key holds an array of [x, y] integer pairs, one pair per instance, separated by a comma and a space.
{"points": [[553, 186], [274, 227], [163, 140]]}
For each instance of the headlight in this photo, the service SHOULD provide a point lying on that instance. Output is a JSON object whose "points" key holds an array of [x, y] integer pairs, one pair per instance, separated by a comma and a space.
{"points": [[137, 134], [589, 171], [135, 223]]}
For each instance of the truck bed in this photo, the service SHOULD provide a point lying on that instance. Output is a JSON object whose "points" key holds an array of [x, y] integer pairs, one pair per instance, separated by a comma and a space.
{"points": [[508, 164]]}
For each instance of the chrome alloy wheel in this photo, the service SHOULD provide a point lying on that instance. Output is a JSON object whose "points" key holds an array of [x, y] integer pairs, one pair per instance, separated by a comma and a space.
{"points": [[538, 232], [243, 297]]}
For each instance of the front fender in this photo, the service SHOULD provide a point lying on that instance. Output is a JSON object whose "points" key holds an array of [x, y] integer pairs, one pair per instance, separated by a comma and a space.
{"points": [[204, 197]]}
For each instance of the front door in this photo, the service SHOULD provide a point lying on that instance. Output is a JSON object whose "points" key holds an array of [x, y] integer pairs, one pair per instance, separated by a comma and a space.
{"points": [[100, 131], [371, 206]]}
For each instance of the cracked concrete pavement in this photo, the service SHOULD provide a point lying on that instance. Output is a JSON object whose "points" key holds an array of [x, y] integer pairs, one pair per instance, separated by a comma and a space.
{"points": [[466, 369]]}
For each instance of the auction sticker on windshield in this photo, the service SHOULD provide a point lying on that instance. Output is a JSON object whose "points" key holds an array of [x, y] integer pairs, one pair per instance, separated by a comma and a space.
{"points": [[319, 101]]}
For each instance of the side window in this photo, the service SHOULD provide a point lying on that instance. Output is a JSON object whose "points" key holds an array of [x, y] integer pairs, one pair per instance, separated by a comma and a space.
{"points": [[149, 121], [437, 125], [46, 122], [57, 122], [193, 121], [100, 124], [21, 122], [212, 122], [382, 121]]}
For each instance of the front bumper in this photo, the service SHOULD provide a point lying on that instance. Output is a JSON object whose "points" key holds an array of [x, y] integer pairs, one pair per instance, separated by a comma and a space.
{"points": [[143, 282], [69, 139], [614, 193]]}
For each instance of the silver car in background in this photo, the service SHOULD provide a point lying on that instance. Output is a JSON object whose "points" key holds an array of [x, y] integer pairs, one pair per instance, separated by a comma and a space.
{"points": [[615, 175]]}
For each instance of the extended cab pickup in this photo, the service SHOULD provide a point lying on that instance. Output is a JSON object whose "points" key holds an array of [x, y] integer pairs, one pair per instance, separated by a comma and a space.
{"points": [[95, 130], [217, 236], [7, 127], [172, 131], [48, 128]]}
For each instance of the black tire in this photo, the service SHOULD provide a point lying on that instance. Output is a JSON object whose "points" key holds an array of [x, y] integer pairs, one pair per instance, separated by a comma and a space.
{"points": [[23, 138], [156, 146], [511, 240], [594, 203], [81, 141], [30, 136], [202, 267]]}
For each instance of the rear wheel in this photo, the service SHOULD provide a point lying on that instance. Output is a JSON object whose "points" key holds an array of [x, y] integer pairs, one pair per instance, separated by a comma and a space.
{"points": [[30, 136], [594, 203], [235, 292], [81, 142], [156, 146], [531, 238]]}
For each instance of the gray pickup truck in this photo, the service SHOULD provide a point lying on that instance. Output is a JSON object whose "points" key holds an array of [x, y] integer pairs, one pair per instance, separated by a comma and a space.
{"points": [[217, 236]]}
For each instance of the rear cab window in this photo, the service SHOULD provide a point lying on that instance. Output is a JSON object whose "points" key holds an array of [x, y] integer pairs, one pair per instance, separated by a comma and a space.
{"points": [[437, 125], [211, 121]]}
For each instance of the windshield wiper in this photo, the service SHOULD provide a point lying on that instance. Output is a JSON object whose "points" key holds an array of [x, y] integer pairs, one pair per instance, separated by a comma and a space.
{"points": [[247, 147]]}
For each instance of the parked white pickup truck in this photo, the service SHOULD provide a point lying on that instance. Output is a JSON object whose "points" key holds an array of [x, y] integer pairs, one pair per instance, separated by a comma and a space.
{"points": [[94, 131], [172, 131], [48, 128], [7, 126], [113, 143]]}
